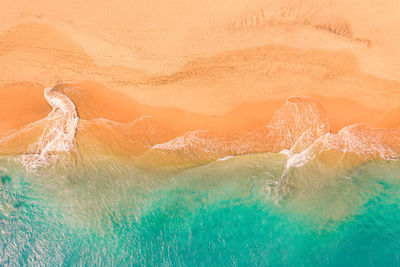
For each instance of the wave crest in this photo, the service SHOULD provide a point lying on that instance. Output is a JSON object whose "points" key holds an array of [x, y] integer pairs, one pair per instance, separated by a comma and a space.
{"points": [[294, 126], [59, 131], [299, 129]]}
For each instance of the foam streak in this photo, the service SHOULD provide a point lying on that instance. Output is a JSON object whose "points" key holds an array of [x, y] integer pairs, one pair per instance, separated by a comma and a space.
{"points": [[59, 132]]}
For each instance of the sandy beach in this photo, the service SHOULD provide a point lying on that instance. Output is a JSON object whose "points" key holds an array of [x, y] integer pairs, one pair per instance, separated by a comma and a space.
{"points": [[227, 73], [199, 133]]}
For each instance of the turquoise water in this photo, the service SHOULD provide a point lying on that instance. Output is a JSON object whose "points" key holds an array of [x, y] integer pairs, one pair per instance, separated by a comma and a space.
{"points": [[218, 214]]}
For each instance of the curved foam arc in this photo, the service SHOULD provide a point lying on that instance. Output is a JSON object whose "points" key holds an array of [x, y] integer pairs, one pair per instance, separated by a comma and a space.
{"points": [[350, 139], [187, 144], [295, 160], [59, 134], [299, 129], [315, 129], [225, 158], [297, 124], [363, 140], [201, 145]]}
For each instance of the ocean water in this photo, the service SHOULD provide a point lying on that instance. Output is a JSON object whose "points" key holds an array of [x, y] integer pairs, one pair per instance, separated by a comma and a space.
{"points": [[77, 192], [223, 213]]}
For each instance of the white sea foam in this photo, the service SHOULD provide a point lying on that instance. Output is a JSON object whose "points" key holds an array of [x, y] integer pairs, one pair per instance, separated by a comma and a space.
{"points": [[296, 125], [198, 145], [295, 160], [225, 158], [359, 139], [58, 134]]}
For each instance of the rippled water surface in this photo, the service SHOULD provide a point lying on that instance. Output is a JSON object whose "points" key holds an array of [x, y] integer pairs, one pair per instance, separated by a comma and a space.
{"points": [[224, 213]]}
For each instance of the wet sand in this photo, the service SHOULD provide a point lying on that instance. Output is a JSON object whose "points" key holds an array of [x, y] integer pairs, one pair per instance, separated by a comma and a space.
{"points": [[225, 68]]}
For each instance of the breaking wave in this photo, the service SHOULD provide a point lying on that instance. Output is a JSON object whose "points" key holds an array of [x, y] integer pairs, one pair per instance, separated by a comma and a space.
{"points": [[299, 130], [59, 131]]}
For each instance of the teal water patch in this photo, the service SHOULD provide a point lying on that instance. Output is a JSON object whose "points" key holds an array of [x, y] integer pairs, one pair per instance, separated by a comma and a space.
{"points": [[214, 215]]}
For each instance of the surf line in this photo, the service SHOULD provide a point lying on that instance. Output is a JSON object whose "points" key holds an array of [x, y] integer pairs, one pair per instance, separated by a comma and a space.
{"points": [[59, 131]]}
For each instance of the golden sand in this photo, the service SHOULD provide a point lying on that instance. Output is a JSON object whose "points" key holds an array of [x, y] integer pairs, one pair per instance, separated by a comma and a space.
{"points": [[224, 68], [24, 103]]}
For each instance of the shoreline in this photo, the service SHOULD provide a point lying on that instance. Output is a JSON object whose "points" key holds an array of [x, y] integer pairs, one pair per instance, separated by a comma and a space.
{"points": [[24, 103], [113, 123]]}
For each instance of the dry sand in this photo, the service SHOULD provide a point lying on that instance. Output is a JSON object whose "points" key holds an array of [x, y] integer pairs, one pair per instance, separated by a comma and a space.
{"points": [[220, 65]]}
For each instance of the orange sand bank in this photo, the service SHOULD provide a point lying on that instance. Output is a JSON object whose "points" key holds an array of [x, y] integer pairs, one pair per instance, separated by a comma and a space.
{"points": [[213, 85], [217, 72], [113, 123], [24, 103]]}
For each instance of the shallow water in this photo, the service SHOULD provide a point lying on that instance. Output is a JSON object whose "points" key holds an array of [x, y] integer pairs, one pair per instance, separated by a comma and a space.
{"points": [[219, 214]]}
